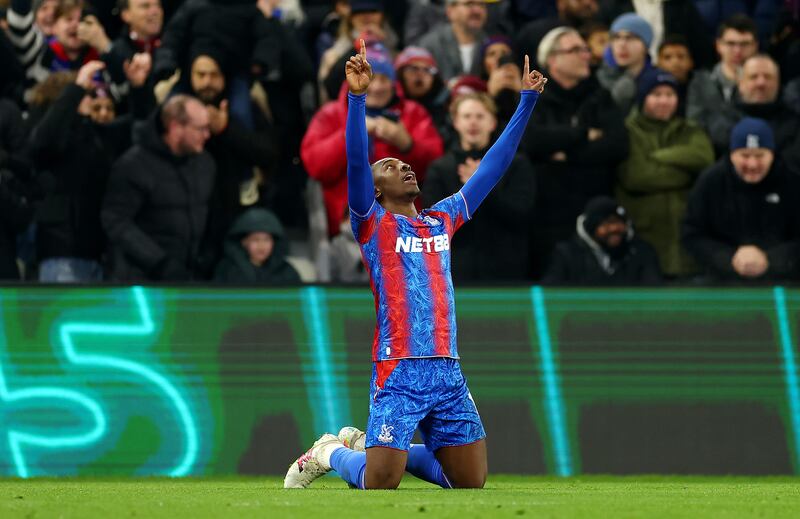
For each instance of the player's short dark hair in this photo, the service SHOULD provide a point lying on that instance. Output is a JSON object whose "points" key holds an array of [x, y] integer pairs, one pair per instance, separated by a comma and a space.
{"points": [[674, 39], [122, 5], [740, 23], [377, 163]]}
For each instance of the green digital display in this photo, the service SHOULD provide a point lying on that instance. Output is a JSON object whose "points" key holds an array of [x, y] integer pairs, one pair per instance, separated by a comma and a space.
{"points": [[208, 381]]}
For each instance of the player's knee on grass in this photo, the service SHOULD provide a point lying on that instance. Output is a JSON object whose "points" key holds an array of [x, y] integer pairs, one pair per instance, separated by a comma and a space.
{"points": [[380, 477], [474, 480]]}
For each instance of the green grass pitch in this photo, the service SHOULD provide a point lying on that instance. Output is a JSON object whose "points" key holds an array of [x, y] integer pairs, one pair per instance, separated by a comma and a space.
{"points": [[505, 496]]}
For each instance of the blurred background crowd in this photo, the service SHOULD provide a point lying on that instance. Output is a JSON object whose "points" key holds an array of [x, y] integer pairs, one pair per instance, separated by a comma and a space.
{"points": [[204, 140]]}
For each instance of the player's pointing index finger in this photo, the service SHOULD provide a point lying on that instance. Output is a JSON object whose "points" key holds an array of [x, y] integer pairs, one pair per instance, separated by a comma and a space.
{"points": [[363, 49], [527, 70]]}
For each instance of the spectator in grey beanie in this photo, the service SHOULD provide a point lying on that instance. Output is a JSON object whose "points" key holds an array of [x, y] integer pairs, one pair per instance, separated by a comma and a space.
{"points": [[626, 59]]}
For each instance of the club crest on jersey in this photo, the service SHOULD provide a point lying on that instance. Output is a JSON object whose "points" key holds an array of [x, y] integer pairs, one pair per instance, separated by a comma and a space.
{"points": [[386, 434], [430, 220], [437, 243]]}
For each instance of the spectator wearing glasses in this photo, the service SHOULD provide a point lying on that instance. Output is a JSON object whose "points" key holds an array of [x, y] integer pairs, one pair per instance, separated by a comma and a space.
{"points": [[419, 78], [575, 140], [456, 45], [710, 98], [156, 204]]}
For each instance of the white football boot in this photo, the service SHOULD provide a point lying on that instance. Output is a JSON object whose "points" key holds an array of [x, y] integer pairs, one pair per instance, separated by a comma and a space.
{"points": [[353, 438], [314, 463]]}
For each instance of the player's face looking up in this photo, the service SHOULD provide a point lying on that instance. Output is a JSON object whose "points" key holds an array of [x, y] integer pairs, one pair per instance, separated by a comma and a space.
{"points": [[611, 232], [394, 180]]}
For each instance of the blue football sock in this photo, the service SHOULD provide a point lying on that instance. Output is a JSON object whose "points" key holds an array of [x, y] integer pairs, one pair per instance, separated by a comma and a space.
{"points": [[424, 465], [350, 465]]}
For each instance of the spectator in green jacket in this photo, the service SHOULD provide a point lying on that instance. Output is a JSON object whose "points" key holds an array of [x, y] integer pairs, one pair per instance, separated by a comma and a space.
{"points": [[667, 152]]}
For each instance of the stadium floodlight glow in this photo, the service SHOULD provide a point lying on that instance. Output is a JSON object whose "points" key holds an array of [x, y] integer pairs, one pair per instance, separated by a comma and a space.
{"points": [[315, 316], [789, 369], [553, 401], [68, 332]]}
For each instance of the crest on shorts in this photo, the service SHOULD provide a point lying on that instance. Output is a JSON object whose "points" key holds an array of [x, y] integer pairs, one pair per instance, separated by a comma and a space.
{"points": [[386, 434]]}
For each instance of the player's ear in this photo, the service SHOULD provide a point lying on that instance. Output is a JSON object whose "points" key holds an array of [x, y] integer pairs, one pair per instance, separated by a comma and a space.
{"points": [[377, 194]]}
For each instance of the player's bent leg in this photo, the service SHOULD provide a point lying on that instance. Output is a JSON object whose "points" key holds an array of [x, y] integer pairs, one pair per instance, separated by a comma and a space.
{"points": [[466, 466], [385, 467]]}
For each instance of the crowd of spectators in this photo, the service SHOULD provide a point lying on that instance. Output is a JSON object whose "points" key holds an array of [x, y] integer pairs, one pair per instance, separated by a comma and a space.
{"points": [[203, 140]]}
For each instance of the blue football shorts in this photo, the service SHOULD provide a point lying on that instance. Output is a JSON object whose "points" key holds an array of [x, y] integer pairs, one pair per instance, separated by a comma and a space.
{"points": [[430, 394]]}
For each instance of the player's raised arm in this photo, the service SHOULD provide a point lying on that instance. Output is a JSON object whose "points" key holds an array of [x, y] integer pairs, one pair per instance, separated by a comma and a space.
{"points": [[360, 189], [499, 156]]}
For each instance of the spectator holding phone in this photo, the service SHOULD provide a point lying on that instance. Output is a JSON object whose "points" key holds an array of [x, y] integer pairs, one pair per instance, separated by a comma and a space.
{"points": [[78, 38]]}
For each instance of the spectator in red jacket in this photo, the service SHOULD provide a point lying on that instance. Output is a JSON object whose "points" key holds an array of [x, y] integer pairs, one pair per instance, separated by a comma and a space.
{"points": [[397, 128]]}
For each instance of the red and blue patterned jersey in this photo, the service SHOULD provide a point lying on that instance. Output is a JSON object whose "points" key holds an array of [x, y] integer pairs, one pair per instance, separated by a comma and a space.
{"points": [[408, 260]]}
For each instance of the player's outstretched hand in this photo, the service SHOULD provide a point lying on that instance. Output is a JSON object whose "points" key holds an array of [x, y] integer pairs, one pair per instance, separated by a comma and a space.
{"points": [[532, 80], [358, 71]]}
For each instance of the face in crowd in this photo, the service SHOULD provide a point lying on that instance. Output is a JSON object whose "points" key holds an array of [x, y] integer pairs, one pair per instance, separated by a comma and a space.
{"points": [[752, 164], [208, 82], [760, 80], [65, 29], [492, 55], [676, 60], [474, 121], [417, 78], [468, 15], [144, 17], [611, 232], [186, 133], [259, 246], [735, 47], [628, 49], [380, 91], [569, 59], [661, 103], [45, 17]]}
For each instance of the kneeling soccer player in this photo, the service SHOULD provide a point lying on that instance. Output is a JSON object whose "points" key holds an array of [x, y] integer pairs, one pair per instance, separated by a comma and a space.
{"points": [[416, 378]]}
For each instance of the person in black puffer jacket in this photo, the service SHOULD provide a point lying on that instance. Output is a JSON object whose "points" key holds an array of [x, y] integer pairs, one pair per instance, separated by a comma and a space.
{"points": [[73, 147], [156, 206], [576, 139]]}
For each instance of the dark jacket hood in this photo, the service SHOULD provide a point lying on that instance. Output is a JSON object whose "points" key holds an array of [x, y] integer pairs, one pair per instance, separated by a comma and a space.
{"points": [[255, 220]]}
